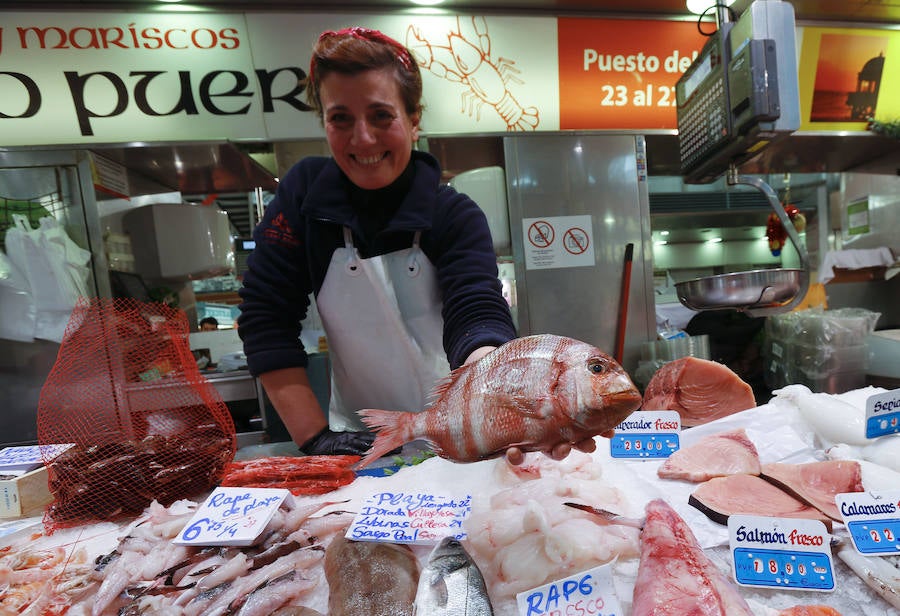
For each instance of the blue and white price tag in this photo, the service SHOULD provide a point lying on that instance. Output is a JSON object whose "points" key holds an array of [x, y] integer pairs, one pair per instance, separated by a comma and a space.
{"points": [[873, 520], [646, 435], [883, 414], [232, 516], [784, 553], [589, 592]]}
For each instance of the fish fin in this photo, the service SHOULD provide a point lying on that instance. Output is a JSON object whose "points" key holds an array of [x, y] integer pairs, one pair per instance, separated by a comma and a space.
{"points": [[441, 387], [439, 588], [390, 429]]}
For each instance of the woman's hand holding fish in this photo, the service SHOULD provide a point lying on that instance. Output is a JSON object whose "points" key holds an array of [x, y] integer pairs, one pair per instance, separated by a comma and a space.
{"points": [[478, 354], [516, 456]]}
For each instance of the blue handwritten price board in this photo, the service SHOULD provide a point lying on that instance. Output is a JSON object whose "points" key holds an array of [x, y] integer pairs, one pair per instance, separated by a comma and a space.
{"points": [[410, 517], [784, 553], [883, 414], [232, 516], [873, 520], [589, 592], [645, 435]]}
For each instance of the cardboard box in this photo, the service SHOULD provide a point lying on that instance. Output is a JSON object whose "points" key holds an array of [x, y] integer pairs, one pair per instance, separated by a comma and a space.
{"points": [[25, 495]]}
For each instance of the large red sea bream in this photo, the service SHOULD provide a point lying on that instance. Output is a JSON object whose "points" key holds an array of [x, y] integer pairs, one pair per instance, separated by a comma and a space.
{"points": [[530, 393]]}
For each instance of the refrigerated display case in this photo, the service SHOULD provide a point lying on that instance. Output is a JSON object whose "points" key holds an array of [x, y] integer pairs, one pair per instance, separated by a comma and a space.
{"points": [[36, 184]]}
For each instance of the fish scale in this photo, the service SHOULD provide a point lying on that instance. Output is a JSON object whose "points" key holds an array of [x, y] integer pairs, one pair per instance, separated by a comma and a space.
{"points": [[533, 393]]}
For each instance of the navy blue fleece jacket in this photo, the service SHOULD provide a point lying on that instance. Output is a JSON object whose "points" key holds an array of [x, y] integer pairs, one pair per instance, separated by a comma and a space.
{"points": [[303, 225]]}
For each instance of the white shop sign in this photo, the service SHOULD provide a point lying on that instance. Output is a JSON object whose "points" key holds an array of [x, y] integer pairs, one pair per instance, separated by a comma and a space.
{"points": [[105, 77]]}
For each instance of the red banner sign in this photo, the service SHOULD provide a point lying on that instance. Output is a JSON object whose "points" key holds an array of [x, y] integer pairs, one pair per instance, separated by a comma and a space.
{"points": [[618, 74]]}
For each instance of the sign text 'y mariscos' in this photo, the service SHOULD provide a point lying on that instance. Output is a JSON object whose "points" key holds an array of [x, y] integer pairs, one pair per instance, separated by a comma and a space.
{"points": [[99, 78]]}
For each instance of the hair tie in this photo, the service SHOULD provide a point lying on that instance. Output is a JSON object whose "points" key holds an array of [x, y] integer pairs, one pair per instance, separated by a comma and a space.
{"points": [[367, 34]]}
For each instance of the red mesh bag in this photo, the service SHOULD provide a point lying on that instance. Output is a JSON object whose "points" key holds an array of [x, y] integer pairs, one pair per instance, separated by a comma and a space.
{"points": [[126, 390]]}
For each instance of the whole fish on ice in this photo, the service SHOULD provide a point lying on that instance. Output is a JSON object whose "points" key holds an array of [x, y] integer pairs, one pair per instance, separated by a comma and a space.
{"points": [[371, 578], [451, 584], [531, 393]]}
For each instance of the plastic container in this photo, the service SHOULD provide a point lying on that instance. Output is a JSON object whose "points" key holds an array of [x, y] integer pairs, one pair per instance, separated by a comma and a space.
{"points": [[826, 350], [655, 354]]}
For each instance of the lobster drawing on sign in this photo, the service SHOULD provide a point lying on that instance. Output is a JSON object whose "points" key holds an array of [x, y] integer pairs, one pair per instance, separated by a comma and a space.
{"points": [[463, 61]]}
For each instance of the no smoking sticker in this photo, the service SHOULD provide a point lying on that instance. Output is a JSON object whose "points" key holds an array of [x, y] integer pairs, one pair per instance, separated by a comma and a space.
{"points": [[558, 241]]}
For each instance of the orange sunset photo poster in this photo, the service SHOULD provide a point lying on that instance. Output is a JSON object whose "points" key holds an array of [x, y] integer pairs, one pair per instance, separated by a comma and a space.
{"points": [[848, 77]]}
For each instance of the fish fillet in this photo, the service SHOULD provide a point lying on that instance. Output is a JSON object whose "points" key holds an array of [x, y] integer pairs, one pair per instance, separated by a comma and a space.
{"points": [[817, 483], [722, 497], [675, 576], [700, 390], [717, 455]]}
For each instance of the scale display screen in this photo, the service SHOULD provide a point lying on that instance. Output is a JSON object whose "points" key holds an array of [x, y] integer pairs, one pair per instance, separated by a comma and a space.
{"points": [[700, 72]]}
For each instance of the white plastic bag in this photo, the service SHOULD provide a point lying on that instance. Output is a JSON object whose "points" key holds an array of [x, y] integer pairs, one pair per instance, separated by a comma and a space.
{"points": [[55, 268], [17, 311]]}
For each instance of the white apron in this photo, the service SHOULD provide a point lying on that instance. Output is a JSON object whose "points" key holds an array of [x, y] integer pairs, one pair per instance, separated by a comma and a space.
{"points": [[382, 319]]}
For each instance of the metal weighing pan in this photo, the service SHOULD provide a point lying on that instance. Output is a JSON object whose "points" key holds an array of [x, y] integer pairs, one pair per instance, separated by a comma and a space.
{"points": [[757, 292], [765, 288]]}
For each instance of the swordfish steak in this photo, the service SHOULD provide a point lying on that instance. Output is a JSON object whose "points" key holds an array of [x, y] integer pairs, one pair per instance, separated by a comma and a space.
{"points": [[721, 497], [817, 483], [699, 389], [716, 455], [675, 576]]}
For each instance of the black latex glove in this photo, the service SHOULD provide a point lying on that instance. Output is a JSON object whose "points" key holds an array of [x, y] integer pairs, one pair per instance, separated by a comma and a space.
{"points": [[328, 443]]}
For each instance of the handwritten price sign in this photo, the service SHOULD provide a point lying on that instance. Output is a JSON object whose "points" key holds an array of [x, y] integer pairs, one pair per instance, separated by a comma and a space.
{"points": [[232, 516], [590, 592], [410, 517]]}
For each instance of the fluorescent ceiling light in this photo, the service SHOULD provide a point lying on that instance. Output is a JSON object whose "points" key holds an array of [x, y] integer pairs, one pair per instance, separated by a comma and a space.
{"points": [[698, 7], [427, 2]]}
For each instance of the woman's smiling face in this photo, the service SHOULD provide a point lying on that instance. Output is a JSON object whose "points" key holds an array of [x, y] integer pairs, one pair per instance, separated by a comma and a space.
{"points": [[369, 131]]}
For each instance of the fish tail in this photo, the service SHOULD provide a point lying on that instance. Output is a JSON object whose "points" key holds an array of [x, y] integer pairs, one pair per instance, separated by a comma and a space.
{"points": [[392, 428]]}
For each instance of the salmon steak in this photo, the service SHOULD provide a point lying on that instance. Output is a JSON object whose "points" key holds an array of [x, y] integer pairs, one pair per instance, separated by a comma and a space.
{"points": [[675, 576], [716, 455], [532, 393], [699, 389]]}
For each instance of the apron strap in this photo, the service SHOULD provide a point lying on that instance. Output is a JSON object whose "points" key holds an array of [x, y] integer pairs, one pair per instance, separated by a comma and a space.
{"points": [[412, 262], [352, 264]]}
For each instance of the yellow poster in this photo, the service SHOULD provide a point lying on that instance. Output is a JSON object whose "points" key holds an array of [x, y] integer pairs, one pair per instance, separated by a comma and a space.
{"points": [[847, 77]]}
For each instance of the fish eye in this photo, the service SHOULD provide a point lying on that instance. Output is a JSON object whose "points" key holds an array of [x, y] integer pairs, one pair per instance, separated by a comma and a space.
{"points": [[597, 365]]}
